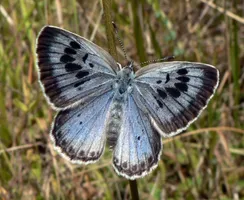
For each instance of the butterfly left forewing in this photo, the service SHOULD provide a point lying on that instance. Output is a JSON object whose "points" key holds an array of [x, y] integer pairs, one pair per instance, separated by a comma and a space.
{"points": [[175, 93], [72, 68]]}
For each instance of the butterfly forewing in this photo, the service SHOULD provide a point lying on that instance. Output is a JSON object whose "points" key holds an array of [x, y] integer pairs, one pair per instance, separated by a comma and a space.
{"points": [[138, 147], [72, 68], [174, 93]]}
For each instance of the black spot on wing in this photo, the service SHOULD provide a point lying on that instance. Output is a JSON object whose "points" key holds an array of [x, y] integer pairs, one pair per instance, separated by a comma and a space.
{"points": [[63, 143], [159, 103], [162, 93], [167, 78], [183, 79], [70, 151], [82, 153], [70, 67], [82, 74], [92, 153], [150, 159], [66, 59], [69, 51], [74, 45], [159, 81], [125, 165], [182, 71], [142, 165], [134, 168], [91, 65], [173, 92], [85, 58], [181, 86], [80, 82]]}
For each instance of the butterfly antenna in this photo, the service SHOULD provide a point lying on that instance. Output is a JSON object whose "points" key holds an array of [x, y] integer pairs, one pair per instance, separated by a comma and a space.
{"points": [[158, 60], [120, 42]]}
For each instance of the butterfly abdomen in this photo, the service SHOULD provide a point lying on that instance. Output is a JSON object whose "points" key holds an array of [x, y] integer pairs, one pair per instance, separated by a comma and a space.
{"points": [[114, 121]]}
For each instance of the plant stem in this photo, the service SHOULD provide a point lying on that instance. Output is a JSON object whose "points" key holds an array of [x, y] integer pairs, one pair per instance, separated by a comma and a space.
{"points": [[138, 33], [109, 28], [234, 60], [112, 50], [134, 190]]}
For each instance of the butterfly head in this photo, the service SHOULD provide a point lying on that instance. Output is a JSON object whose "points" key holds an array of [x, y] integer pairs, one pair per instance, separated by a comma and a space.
{"points": [[130, 65]]}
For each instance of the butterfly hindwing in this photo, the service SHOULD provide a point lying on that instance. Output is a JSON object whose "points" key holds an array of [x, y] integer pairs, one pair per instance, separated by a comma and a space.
{"points": [[174, 93], [138, 146], [72, 68], [78, 132]]}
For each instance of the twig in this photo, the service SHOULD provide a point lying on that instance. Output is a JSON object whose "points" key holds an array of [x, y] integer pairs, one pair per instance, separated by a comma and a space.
{"points": [[26, 146], [222, 10]]}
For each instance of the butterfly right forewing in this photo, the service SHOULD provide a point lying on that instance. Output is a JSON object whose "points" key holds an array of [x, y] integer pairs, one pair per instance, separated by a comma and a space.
{"points": [[175, 93]]}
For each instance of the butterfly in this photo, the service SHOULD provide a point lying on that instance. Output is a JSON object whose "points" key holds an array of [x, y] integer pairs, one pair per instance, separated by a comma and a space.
{"points": [[99, 102]]}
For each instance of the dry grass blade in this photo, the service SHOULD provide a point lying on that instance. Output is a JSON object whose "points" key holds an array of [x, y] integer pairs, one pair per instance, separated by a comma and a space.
{"points": [[222, 10], [216, 129]]}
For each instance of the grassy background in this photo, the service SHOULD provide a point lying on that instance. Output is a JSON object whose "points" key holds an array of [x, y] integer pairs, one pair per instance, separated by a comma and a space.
{"points": [[206, 162]]}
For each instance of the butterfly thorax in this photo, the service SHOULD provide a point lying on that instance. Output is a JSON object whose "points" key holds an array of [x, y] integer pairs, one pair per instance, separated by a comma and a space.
{"points": [[123, 87], [124, 80]]}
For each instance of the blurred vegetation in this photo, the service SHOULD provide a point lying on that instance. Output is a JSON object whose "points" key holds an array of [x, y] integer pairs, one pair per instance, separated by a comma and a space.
{"points": [[206, 162]]}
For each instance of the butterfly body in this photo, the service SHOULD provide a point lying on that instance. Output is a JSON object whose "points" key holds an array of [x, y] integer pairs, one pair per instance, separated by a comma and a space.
{"points": [[99, 102], [122, 87]]}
